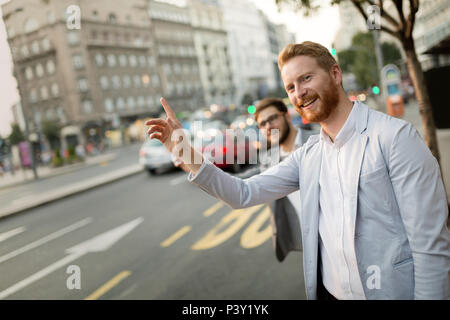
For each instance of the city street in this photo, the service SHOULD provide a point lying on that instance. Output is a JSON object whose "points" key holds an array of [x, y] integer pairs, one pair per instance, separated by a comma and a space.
{"points": [[170, 241]]}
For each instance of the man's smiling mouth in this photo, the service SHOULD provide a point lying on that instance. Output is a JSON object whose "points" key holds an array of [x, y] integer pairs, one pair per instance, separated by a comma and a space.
{"points": [[308, 103]]}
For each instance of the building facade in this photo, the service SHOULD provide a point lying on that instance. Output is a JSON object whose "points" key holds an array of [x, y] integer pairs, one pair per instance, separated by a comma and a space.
{"points": [[211, 45], [90, 67]]}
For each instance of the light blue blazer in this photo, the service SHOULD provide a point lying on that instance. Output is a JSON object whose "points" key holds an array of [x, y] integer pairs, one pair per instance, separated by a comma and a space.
{"points": [[397, 199]]}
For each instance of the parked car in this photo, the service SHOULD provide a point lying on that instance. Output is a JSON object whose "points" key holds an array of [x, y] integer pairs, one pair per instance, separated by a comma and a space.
{"points": [[154, 157]]}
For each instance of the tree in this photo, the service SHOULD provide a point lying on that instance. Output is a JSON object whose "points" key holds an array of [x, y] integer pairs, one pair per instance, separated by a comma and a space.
{"points": [[16, 136], [402, 29], [51, 131], [360, 58]]}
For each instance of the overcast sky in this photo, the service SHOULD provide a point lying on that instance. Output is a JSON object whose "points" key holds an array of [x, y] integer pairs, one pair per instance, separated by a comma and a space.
{"points": [[319, 28]]}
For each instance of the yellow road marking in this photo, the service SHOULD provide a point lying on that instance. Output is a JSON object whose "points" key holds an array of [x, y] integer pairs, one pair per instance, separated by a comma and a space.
{"points": [[235, 220], [213, 209], [104, 163], [177, 235], [252, 236], [108, 286]]}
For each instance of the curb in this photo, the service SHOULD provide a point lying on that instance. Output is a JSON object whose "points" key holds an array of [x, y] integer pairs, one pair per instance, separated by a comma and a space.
{"points": [[39, 200]]}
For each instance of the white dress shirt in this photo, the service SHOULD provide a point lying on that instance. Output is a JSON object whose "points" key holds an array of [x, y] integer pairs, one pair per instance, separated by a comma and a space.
{"points": [[339, 267]]}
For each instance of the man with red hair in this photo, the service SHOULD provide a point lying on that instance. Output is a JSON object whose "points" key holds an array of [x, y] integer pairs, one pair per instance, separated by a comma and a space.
{"points": [[374, 209]]}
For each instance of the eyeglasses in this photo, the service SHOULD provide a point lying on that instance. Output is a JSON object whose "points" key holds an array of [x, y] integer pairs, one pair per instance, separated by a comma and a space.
{"points": [[270, 120]]}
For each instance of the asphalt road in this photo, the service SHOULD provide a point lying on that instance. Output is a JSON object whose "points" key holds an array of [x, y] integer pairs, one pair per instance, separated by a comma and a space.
{"points": [[169, 240]]}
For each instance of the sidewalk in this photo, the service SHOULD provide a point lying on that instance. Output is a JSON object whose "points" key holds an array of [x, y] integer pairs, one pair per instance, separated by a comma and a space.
{"points": [[24, 176]]}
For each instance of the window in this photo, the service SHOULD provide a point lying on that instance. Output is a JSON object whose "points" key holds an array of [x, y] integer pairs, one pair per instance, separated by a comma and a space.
{"points": [[112, 60], [44, 93], [73, 37], [137, 81], [39, 70], [155, 80], [142, 61], [120, 103], [61, 114], [29, 73], [126, 81], [116, 82], [31, 25], [46, 44], [180, 88], [51, 17], [112, 18], [24, 51], [131, 102], [99, 59], [55, 90], [166, 68], [133, 61], [35, 47], [177, 68], [33, 95], [50, 67], [109, 105], [123, 60], [95, 14], [87, 106], [77, 60], [151, 61], [104, 83], [83, 85]]}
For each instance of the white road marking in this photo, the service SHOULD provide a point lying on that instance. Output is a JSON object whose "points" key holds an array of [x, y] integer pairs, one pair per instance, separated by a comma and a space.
{"points": [[45, 239], [101, 242], [11, 233]]}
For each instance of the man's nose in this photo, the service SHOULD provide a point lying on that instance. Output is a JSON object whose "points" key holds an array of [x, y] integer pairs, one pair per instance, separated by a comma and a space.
{"points": [[300, 92]]}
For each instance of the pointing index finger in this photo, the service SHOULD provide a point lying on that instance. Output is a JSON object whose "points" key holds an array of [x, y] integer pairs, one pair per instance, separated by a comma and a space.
{"points": [[168, 109]]}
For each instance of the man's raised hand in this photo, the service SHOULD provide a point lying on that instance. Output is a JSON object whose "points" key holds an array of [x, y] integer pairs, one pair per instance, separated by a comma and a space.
{"points": [[163, 129]]}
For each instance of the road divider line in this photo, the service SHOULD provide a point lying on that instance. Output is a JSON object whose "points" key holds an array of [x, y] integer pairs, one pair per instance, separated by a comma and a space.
{"points": [[177, 235], [213, 209], [11, 233], [108, 286], [46, 239]]}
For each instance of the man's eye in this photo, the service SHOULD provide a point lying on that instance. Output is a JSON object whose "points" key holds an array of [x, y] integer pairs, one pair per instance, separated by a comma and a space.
{"points": [[307, 78]]}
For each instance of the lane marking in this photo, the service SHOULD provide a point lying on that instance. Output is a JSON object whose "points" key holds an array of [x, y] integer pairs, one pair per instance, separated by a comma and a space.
{"points": [[177, 235], [99, 243], [177, 180], [46, 239], [213, 209], [11, 233], [39, 275], [108, 285], [234, 221], [252, 235]]}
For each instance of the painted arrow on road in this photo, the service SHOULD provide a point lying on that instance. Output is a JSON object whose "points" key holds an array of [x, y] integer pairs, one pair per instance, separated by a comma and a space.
{"points": [[99, 243]]}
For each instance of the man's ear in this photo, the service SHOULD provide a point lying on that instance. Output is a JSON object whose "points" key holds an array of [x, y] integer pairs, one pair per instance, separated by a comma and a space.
{"points": [[336, 73]]}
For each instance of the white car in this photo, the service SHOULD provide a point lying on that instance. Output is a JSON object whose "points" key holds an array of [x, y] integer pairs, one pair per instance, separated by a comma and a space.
{"points": [[154, 157]]}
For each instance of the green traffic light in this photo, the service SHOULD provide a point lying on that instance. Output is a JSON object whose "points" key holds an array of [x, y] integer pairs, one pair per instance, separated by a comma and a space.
{"points": [[251, 109], [333, 51], [376, 90]]}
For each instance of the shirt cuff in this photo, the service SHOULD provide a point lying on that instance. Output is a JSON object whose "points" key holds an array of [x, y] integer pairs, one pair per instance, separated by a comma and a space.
{"points": [[201, 173]]}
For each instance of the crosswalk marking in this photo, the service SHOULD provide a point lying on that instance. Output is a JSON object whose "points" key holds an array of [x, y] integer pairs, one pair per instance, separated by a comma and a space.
{"points": [[45, 239], [177, 235], [6, 235]]}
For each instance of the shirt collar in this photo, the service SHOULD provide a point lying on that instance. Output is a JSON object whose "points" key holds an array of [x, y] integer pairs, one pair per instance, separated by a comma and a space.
{"points": [[346, 131]]}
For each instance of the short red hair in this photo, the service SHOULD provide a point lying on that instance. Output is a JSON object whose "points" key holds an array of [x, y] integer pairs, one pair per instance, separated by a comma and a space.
{"points": [[308, 48]]}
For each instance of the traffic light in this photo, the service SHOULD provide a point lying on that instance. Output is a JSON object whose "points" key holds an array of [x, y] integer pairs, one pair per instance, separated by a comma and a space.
{"points": [[333, 52], [375, 90], [251, 109]]}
